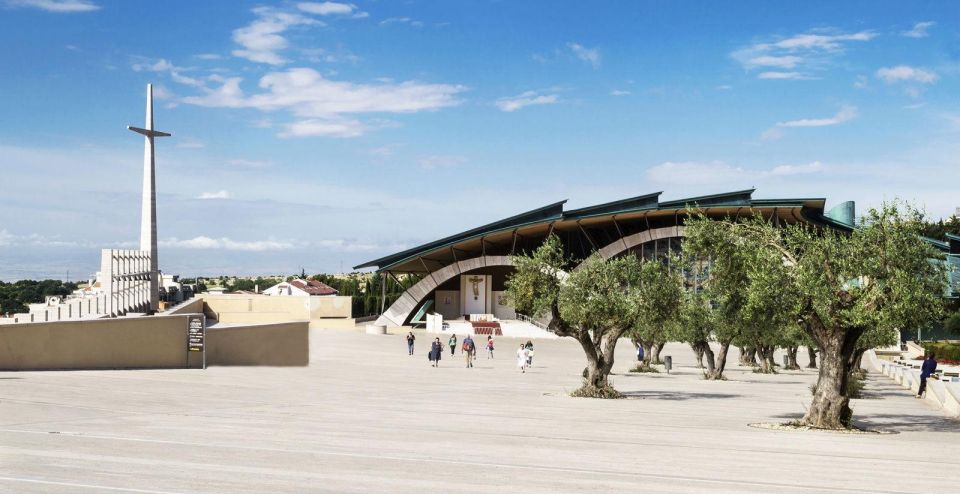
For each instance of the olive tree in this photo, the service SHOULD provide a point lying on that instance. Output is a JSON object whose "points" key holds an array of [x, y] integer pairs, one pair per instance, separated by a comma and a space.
{"points": [[656, 303], [842, 285], [593, 305]]}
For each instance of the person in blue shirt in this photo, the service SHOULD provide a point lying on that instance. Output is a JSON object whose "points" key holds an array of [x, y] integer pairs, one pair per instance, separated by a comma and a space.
{"points": [[929, 367]]}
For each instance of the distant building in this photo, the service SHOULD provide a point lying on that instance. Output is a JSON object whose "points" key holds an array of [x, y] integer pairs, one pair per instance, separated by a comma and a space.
{"points": [[300, 288]]}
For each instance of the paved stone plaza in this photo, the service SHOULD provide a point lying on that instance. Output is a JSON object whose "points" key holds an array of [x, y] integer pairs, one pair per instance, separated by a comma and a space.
{"points": [[365, 417]]}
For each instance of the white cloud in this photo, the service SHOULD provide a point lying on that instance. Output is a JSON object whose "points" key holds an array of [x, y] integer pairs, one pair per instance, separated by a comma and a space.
{"points": [[220, 194], [225, 243], [781, 75], [208, 56], [164, 66], [782, 170], [782, 62], [619, 92], [514, 103], [56, 6], [861, 82], [719, 173], [321, 103], [261, 40], [801, 53], [401, 20], [317, 127], [589, 55], [846, 113], [692, 172], [919, 30], [905, 73], [326, 8], [441, 161]]}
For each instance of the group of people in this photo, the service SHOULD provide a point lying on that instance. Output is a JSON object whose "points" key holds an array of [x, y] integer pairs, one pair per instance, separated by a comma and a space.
{"points": [[469, 350]]}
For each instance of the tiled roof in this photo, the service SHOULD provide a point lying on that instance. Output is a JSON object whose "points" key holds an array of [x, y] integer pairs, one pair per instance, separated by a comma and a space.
{"points": [[313, 287]]}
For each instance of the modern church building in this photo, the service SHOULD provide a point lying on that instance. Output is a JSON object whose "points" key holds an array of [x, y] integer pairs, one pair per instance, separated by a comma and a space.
{"points": [[465, 274]]}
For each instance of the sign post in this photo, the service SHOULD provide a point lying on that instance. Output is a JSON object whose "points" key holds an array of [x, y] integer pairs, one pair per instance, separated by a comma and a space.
{"points": [[196, 336]]}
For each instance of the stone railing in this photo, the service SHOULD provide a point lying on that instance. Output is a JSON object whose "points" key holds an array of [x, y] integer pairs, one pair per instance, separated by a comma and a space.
{"points": [[943, 392]]}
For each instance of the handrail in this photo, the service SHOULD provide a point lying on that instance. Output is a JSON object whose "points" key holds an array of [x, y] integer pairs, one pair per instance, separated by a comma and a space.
{"points": [[532, 321]]}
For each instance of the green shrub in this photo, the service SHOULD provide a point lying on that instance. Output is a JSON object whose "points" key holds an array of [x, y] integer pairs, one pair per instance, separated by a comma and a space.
{"points": [[944, 351], [952, 323]]}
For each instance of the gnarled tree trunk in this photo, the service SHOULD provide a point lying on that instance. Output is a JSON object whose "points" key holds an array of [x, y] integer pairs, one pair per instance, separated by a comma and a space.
{"points": [[792, 358], [600, 355], [716, 365], [655, 350], [830, 407], [748, 356], [812, 357], [766, 359], [698, 351]]}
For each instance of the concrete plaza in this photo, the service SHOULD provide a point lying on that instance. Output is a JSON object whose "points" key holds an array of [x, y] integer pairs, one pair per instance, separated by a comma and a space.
{"points": [[366, 417]]}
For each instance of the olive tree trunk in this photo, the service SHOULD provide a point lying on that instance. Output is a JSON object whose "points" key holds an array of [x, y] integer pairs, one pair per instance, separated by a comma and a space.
{"points": [[655, 350], [716, 364], [792, 358], [699, 349], [765, 352], [748, 356], [830, 407], [811, 357], [599, 347]]}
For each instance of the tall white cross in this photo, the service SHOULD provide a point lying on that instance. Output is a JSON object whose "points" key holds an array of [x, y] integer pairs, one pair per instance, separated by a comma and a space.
{"points": [[148, 208]]}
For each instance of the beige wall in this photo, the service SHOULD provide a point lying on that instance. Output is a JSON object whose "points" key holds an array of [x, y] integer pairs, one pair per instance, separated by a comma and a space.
{"points": [[147, 342], [331, 307], [258, 309], [192, 306], [280, 344], [121, 343]]}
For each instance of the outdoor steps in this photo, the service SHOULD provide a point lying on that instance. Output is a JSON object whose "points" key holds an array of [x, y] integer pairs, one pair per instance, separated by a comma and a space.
{"points": [[486, 328]]}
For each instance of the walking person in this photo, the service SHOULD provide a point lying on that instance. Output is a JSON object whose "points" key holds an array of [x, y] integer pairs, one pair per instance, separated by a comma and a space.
{"points": [[529, 347], [453, 344], [928, 368], [639, 352], [436, 351], [522, 358], [489, 347], [410, 339], [469, 349]]}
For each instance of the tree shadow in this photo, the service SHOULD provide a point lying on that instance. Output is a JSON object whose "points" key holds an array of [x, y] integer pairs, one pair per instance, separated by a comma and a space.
{"points": [[675, 396], [893, 422], [2, 378], [904, 422]]}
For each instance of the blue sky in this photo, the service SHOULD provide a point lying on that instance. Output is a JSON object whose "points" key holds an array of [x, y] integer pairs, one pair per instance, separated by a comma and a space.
{"points": [[323, 134]]}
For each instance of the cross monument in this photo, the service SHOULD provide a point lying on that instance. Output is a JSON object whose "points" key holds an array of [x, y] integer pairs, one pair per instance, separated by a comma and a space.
{"points": [[148, 208]]}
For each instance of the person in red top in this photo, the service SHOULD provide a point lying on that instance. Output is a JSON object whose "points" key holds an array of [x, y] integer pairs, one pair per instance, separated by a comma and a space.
{"points": [[489, 347]]}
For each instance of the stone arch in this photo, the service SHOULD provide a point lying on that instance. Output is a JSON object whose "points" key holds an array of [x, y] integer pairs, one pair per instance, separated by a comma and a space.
{"points": [[623, 244], [403, 307]]}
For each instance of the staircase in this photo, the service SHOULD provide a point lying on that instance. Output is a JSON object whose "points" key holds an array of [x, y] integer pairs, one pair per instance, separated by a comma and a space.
{"points": [[491, 328]]}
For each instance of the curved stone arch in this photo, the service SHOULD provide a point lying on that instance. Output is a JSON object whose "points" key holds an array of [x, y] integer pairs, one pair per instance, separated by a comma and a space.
{"points": [[623, 244], [403, 307]]}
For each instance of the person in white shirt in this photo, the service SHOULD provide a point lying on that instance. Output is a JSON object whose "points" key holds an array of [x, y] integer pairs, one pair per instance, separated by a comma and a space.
{"points": [[522, 356]]}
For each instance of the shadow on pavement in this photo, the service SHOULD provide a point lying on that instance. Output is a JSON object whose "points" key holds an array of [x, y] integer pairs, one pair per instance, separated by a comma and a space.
{"points": [[659, 395]]}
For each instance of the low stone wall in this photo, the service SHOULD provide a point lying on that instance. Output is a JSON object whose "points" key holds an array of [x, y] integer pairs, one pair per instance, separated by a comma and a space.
{"points": [[944, 394], [150, 342], [121, 343], [279, 344]]}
